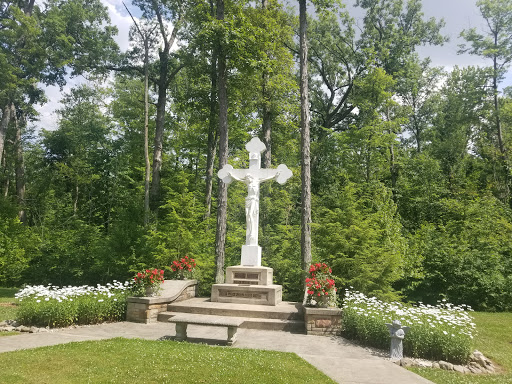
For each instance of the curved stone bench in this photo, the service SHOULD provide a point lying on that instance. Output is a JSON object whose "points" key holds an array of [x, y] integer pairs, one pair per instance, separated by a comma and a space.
{"points": [[146, 309]]}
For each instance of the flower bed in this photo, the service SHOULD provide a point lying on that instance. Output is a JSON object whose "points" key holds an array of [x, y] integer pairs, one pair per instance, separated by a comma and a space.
{"points": [[442, 332], [53, 306]]}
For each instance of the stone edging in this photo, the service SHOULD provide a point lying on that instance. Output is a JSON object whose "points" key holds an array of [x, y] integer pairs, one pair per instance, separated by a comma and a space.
{"points": [[13, 326], [478, 364]]}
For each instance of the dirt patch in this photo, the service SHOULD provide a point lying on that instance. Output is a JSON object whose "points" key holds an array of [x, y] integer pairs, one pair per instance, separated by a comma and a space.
{"points": [[9, 305]]}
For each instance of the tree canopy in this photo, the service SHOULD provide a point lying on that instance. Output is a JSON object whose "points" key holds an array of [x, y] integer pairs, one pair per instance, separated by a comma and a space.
{"points": [[405, 187]]}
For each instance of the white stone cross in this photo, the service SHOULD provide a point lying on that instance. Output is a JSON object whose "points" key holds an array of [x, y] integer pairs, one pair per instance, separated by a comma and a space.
{"points": [[253, 177]]}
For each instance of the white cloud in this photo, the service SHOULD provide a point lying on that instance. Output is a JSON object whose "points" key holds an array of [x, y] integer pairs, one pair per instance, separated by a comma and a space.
{"points": [[120, 18]]}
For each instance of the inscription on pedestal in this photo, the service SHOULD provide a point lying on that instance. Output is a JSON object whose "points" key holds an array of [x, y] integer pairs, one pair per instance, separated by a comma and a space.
{"points": [[243, 295]]}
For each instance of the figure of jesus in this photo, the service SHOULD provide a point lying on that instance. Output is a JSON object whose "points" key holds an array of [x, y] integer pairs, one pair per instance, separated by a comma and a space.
{"points": [[252, 203]]}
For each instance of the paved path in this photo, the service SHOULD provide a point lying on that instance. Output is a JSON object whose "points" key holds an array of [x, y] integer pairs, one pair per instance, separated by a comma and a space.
{"points": [[336, 357]]}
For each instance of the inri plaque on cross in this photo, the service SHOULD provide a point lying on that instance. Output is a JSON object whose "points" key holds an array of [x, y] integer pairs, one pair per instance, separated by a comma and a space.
{"points": [[253, 177]]}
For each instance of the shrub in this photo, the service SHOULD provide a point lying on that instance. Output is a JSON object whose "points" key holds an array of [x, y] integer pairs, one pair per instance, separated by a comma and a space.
{"points": [[53, 306], [441, 332]]}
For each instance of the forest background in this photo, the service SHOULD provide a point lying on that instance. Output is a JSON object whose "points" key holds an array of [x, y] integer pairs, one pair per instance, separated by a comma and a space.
{"points": [[410, 163]]}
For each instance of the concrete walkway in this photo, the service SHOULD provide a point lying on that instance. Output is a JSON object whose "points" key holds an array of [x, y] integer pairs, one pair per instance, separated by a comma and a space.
{"points": [[336, 357]]}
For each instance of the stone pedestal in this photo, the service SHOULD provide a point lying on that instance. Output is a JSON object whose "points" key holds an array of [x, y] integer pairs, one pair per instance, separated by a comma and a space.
{"points": [[240, 274], [251, 255], [248, 285], [322, 321]]}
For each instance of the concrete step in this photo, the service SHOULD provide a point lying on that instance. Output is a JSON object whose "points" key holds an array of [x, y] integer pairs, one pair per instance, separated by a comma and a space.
{"points": [[274, 325], [282, 311], [250, 322]]}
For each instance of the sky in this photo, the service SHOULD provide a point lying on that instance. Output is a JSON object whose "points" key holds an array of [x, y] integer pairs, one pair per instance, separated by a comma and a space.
{"points": [[458, 15]]}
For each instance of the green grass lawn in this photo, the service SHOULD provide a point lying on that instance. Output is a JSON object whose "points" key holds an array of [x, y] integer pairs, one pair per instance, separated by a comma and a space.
{"points": [[143, 361], [494, 340], [7, 311]]}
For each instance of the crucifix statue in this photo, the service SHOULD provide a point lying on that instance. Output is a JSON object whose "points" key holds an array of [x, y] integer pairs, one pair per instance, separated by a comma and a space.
{"points": [[253, 177]]}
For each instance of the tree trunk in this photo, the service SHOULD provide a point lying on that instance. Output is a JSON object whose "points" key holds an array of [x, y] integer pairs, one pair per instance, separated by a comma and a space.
{"points": [[146, 132], [305, 142], [75, 200], [266, 125], [6, 177], [159, 129], [506, 192], [212, 128], [20, 166], [392, 162], [4, 123], [29, 7], [162, 83], [145, 38], [222, 206], [212, 136]]}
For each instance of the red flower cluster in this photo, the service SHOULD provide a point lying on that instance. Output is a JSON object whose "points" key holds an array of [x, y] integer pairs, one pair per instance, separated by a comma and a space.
{"points": [[320, 282], [183, 268], [149, 277], [183, 264]]}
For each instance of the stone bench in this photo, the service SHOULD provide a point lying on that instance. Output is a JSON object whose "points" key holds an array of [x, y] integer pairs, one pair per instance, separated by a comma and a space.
{"points": [[182, 320]]}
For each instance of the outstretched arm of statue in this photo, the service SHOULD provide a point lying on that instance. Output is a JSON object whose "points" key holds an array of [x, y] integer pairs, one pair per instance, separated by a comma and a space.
{"points": [[234, 176], [271, 177]]}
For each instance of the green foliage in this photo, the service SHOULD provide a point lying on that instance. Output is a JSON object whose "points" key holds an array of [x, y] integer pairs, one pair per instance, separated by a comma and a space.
{"points": [[393, 30], [359, 235], [182, 232], [67, 256], [471, 247], [407, 170], [17, 245]]}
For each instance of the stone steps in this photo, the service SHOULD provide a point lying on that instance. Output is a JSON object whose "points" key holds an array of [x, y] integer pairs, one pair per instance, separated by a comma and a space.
{"points": [[255, 323], [286, 316]]}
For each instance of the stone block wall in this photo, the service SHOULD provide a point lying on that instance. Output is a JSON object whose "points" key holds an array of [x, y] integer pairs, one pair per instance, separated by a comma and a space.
{"points": [[144, 312], [322, 321], [146, 309]]}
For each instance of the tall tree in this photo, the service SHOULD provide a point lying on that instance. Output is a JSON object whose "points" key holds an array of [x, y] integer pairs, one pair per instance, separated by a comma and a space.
{"points": [[19, 123], [212, 125], [305, 140], [417, 88], [496, 45], [393, 29], [145, 33], [168, 68], [222, 196]]}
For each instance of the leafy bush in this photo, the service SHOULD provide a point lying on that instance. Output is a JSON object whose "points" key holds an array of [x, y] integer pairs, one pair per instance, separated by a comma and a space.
{"points": [[465, 258], [52, 306], [17, 245], [442, 332]]}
